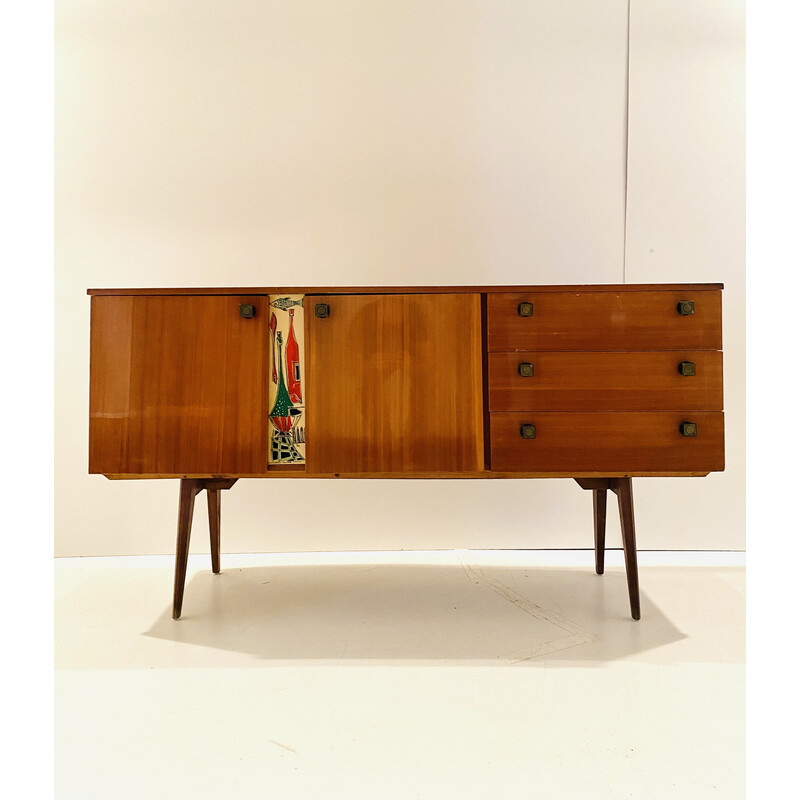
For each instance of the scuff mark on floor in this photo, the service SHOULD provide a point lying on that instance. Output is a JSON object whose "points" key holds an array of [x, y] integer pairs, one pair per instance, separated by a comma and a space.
{"points": [[284, 746], [577, 635]]}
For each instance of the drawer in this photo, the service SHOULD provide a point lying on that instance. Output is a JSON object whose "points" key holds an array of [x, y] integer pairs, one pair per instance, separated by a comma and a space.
{"points": [[610, 442], [635, 320], [606, 381]]}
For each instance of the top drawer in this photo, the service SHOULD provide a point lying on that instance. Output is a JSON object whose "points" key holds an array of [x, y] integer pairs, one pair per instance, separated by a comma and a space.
{"points": [[631, 320]]}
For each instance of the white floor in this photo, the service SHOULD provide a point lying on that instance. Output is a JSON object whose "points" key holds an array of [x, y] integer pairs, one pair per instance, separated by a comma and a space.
{"points": [[401, 675]]}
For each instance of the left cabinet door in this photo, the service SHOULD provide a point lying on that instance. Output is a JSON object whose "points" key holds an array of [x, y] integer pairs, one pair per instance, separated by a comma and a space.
{"points": [[178, 385]]}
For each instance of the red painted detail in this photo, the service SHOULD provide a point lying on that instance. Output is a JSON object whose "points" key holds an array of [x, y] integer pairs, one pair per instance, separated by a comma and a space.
{"points": [[283, 424], [293, 364], [273, 326]]}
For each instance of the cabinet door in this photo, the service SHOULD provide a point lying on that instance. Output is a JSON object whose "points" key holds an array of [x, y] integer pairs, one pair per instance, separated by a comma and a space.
{"points": [[177, 385], [394, 384]]}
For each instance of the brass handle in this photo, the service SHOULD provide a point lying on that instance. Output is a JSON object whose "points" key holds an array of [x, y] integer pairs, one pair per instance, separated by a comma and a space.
{"points": [[528, 431], [688, 429], [687, 368], [247, 310], [525, 309], [686, 307], [526, 370], [322, 310]]}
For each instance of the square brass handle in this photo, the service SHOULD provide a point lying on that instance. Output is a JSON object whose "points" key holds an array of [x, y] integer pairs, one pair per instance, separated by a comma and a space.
{"points": [[528, 431], [247, 310], [688, 429], [322, 310], [686, 308], [687, 368], [525, 309], [526, 369]]}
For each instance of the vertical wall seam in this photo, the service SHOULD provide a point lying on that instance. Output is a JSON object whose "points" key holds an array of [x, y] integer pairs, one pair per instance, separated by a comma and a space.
{"points": [[627, 147]]}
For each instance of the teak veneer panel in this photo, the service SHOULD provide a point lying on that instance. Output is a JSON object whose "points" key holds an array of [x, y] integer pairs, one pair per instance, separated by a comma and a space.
{"points": [[177, 385], [381, 476], [612, 442], [318, 290], [394, 384], [586, 381], [592, 320]]}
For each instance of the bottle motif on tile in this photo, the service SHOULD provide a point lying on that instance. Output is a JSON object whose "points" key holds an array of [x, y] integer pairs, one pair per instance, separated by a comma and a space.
{"points": [[287, 410]]}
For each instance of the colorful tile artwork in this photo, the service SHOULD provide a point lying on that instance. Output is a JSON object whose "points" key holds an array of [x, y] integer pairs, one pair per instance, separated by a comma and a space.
{"points": [[287, 429]]}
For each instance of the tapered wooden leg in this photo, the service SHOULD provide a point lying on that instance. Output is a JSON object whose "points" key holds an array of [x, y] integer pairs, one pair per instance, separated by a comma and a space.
{"points": [[599, 498], [189, 490], [213, 496], [624, 493], [622, 488]]}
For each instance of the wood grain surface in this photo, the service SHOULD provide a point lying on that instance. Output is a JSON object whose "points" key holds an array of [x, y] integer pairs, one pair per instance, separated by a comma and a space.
{"points": [[583, 381], [483, 474], [592, 320], [598, 287], [177, 385], [394, 384], [609, 442]]}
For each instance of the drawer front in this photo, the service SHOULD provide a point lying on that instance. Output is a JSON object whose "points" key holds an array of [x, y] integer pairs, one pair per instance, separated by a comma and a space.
{"points": [[636, 320], [607, 442], [606, 381]]}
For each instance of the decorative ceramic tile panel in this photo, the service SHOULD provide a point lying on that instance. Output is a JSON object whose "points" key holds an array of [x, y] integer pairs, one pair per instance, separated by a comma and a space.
{"points": [[287, 419]]}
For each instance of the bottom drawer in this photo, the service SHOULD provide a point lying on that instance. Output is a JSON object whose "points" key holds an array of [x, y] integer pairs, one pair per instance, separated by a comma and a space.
{"points": [[613, 442]]}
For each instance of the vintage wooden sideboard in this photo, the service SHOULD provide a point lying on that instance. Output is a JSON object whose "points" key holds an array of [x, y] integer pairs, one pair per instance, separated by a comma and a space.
{"points": [[598, 383]]}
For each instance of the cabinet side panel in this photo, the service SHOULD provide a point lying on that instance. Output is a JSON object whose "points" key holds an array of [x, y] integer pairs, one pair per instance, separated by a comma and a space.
{"points": [[395, 384], [109, 383]]}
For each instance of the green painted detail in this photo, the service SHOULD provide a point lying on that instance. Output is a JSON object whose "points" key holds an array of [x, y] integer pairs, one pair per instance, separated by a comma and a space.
{"points": [[282, 401]]}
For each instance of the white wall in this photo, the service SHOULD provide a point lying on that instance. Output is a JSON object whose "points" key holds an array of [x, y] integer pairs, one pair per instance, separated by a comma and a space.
{"points": [[685, 222], [255, 142]]}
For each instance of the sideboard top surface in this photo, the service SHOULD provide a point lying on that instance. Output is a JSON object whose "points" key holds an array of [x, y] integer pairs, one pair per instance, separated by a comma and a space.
{"points": [[250, 290]]}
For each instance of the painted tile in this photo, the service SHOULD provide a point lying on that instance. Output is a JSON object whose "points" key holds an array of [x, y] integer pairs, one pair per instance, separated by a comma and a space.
{"points": [[287, 428]]}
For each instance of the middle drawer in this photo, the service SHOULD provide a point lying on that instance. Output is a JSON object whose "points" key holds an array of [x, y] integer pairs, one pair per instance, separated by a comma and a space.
{"points": [[591, 381]]}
